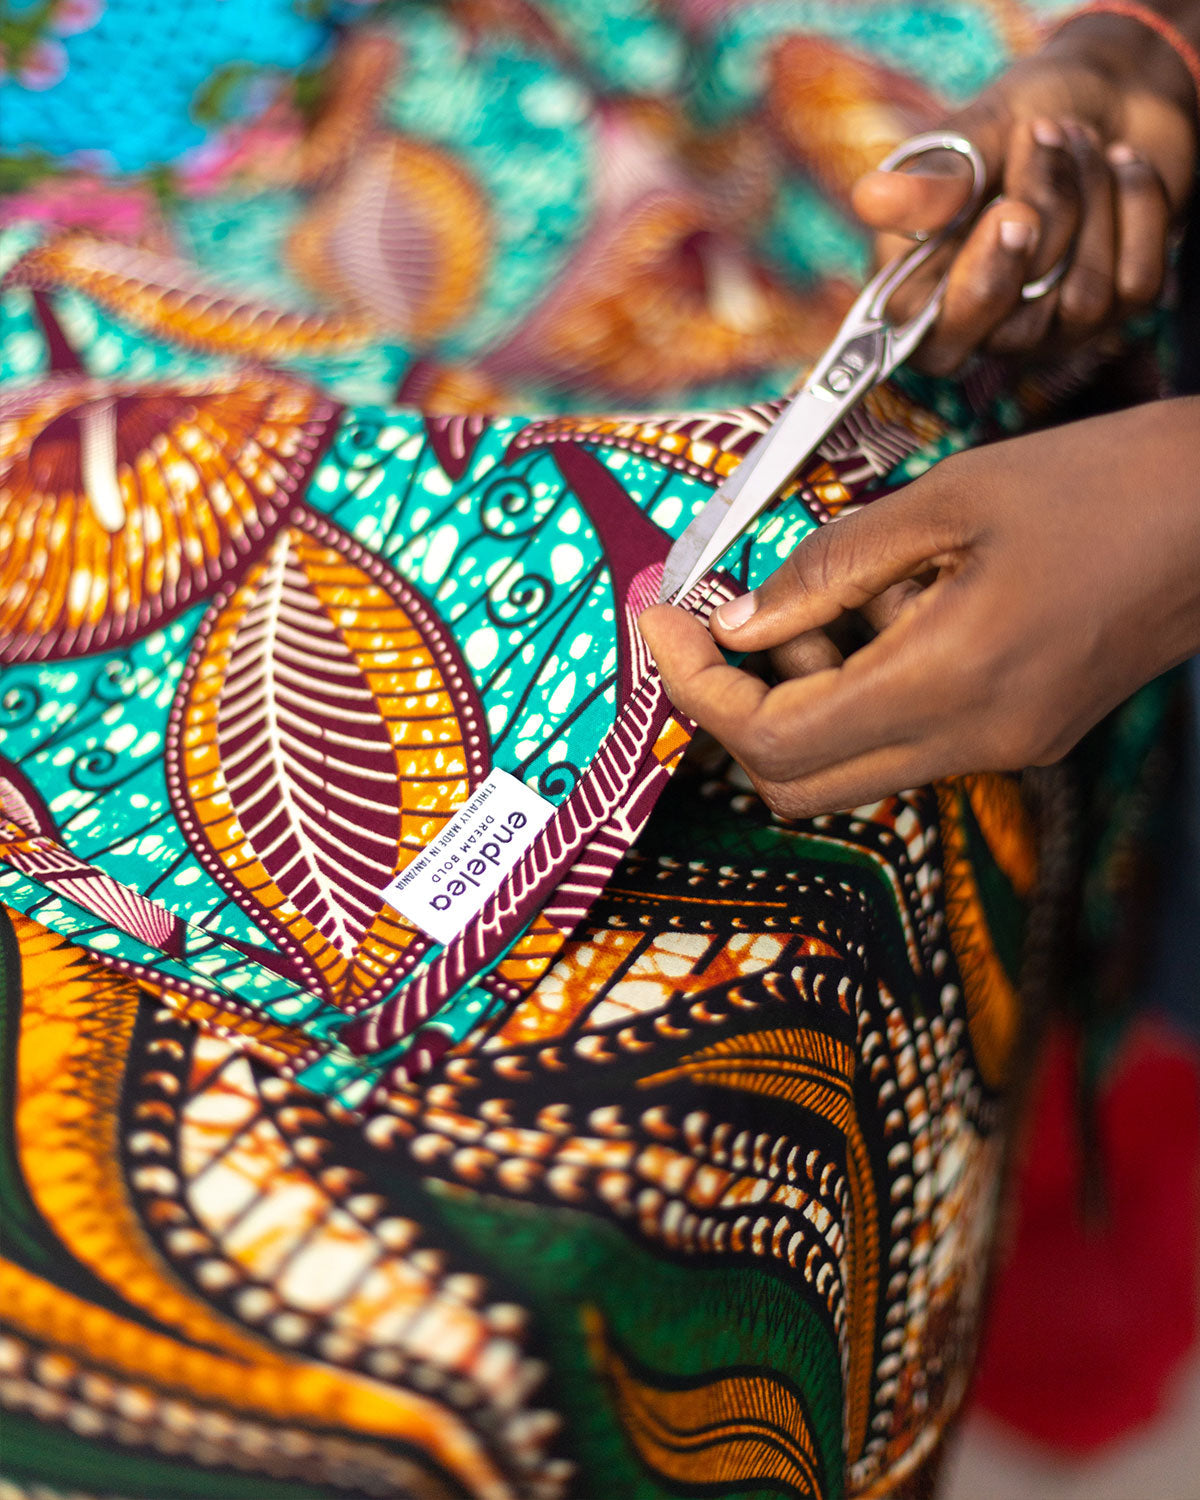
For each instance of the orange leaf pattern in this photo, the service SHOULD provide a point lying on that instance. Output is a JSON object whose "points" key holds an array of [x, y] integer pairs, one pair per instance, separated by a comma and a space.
{"points": [[121, 505], [325, 734]]}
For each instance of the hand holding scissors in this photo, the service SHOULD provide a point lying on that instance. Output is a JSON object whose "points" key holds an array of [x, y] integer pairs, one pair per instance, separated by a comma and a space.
{"points": [[1091, 144], [865, 350], [1018, 592]]}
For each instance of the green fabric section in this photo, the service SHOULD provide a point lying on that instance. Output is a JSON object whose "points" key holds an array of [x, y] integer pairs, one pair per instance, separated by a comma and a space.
{"points": [[1004, 911], [679, 1320]]}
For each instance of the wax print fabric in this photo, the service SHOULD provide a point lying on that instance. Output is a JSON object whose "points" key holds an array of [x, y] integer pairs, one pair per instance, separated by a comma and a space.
{"points": [[675, 1172]]}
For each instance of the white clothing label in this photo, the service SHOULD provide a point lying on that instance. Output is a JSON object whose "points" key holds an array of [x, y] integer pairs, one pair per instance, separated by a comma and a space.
{"points": [[449, 881]]}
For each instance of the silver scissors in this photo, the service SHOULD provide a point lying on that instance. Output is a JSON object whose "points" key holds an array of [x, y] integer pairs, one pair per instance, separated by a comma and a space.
{"points": [[864, 351]]}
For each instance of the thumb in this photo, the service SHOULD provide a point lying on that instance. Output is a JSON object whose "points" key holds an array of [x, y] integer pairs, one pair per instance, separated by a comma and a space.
{"points": [[844, 565], [928, 193], [911, 201]]}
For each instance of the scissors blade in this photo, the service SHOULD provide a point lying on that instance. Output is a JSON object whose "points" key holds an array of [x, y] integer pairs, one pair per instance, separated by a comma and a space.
{"points": [[793, 437], [865, 350]]}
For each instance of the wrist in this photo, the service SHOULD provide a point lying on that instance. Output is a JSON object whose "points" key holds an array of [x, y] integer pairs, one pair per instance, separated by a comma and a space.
{"points": [[1161, 442], [1152, 75]]}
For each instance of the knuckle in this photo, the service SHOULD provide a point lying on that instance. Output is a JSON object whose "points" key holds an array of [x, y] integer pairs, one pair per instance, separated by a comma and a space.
{"points": [[800, 571], [1136, 177], [943, 499], [788, 801], [941, 357], [814, 563], [1056, 182], [769, 752], [1026, 328], [1049, 183], [1093, 172], [682, 700], [1012, 337], [1141, 280], [693, 696], [1091, 167], [792, 580], [985, 295], [1086, 295], [809, 570], [780, 800]]}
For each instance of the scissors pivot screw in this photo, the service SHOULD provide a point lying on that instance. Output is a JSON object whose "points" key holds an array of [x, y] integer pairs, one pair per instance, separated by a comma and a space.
{"points": [[865, 350]]}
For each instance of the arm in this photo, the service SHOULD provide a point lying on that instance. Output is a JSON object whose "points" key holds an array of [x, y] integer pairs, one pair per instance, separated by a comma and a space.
{"points": [[1019, 591]]}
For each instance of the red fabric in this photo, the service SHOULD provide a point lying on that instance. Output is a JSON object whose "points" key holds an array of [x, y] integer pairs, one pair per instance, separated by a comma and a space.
{"points": [[1090, 1319]]}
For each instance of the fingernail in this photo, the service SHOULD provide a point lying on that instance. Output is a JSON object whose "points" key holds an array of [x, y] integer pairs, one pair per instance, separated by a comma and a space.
{"points": [[1016, 235], [737, 611], [1047, 133], [1080, 136], [1120, 154]]}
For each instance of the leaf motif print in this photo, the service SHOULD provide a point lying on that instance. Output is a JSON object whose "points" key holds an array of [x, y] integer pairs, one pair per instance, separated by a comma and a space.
{"points": [[166, 298], [733, 1427], [401, 239], [120, 505], [134, 1311], [662, 303], [885, 429], [706, 445], [325, 731], [47, 861], [838, 111]]}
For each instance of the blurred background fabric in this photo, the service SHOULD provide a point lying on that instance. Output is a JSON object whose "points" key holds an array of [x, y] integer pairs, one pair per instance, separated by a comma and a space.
{"points": [[498, 204]]}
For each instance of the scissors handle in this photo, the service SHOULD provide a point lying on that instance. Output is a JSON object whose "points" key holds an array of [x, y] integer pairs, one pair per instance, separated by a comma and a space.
{"points": [[868, 346], [928, 242], [865, 350]]}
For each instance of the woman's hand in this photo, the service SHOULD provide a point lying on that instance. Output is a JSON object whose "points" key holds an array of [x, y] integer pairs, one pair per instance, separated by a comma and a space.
{"points": [[1091, 145], [1019, 591]]}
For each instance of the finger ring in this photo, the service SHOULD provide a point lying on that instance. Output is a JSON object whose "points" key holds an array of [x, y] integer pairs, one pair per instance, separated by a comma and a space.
{"points": [[1032, 290]]}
